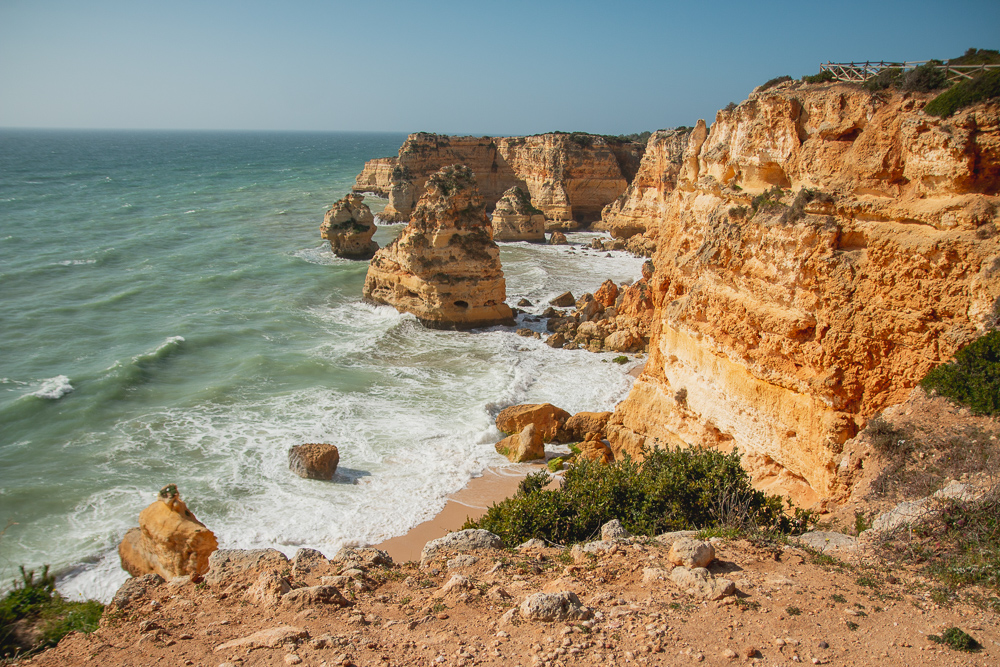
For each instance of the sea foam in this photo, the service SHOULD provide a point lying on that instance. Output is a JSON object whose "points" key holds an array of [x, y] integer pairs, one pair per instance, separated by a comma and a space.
{"points": [[54, 388]]}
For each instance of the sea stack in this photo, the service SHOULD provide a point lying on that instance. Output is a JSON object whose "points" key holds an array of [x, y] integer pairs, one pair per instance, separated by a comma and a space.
{"points": [[516, 219], [445, 267], [349, 226]]}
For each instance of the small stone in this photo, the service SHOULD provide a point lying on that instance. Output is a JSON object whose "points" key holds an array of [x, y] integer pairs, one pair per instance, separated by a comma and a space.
{"points": [[751, 652], [730, 654], [292, 659], [824, 645]]}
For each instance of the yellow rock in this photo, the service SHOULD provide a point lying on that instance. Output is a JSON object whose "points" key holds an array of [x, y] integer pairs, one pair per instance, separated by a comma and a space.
{"points": [[169, 541]]}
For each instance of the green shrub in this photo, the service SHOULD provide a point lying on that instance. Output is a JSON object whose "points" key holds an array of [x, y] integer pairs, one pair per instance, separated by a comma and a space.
{"points": [[887, 78], [957, 639], [669, 490], [771, 83], [805, 196], [823, 77], [555, 464], [620, 359], [768, 199], [36, 600], [976, 56], [924, 78], [964, 94], [887, 440], [973, 378]]}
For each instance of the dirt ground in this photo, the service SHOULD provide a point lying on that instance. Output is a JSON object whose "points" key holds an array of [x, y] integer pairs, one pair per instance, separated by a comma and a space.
{"points": [[791, 606]]}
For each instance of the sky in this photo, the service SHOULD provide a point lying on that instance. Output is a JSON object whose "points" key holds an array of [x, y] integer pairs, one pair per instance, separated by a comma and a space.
{"points": [[470, 67]]}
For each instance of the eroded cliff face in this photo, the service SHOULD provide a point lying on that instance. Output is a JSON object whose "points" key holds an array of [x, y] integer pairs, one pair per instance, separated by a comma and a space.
{"points": [[570, 178], [444, 267], [784, 322], [655, 180]]}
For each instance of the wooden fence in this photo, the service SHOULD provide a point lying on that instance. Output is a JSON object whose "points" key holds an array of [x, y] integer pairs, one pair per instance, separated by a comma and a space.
{"points": [[859, 72]]}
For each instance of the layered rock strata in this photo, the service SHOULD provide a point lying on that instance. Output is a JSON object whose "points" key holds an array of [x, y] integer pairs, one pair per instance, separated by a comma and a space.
{"points": [[569, 177], [821, 250], [515, 219], [349, 226], [444, 267], [169, 542]]}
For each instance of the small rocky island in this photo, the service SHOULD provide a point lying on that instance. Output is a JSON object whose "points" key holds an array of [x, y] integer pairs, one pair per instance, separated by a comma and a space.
{"points": [[445, 267]]}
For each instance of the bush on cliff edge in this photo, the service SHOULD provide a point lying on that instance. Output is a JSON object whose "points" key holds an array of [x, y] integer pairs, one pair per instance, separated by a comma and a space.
{"points": [[671, 489], [34, 616], [973, 378]]}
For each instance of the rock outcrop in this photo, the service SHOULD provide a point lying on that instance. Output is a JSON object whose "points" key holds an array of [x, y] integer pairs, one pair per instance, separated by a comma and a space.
{"points": [[656, 179], [169, 542], [569, 177], [515, 219], [821, 249], [614, 319], [444, 267], [349, 226]]}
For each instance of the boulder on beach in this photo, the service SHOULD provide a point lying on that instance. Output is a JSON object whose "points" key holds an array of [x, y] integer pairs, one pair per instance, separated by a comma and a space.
{"points": [[314, 460], [524, 446], [547, 418], [564, 300], [557, 238], [582, 423], [169, 541]]}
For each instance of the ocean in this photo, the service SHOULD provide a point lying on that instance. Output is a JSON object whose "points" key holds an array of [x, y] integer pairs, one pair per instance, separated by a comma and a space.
{"points": [[169, 314]]}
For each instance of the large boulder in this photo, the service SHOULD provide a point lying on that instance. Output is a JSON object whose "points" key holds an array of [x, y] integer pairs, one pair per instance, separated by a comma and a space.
{"points": [[582, 423], [169, 541], [594, 449], [524, 446], [349, 226], [561, 606], [472, 539], [691, 553], [607, 293], [444, 267], [547, 418], [314, 460], [515, 219]]}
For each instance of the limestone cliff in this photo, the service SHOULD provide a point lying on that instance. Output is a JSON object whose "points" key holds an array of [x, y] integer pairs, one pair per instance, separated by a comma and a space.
{"points": [[444, 267], [569, 177], [654, 181], [819, 251]]}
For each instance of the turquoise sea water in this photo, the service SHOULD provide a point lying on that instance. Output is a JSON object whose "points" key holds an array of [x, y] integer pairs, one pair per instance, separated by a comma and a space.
{"points": [[168, 313]]}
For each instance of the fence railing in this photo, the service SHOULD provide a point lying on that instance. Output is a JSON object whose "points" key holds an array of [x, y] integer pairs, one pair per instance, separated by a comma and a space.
{"points": [[860, 72]]}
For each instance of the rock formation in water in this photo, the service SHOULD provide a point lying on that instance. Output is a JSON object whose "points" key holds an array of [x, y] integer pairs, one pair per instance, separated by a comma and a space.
{"points": [[444, 267], [169, 541], [349, 226], [817, 253], [569, 177], [515, 219], [315, 460]]}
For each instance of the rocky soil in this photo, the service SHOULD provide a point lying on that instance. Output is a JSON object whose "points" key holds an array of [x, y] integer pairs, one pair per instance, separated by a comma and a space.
{"points": [[791, 605]]}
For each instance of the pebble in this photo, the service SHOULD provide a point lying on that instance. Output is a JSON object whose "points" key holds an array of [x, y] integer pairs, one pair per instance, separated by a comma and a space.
{"points": [[292, 659], [730, 654], [824, 645]]}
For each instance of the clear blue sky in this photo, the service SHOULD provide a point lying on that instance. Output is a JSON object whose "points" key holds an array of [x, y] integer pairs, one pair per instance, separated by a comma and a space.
{"points": [[465, 67]]}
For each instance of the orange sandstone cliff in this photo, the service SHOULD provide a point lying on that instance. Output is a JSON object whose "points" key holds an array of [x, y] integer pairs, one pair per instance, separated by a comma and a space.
{"points": [[569, 177], [817, 252]]}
